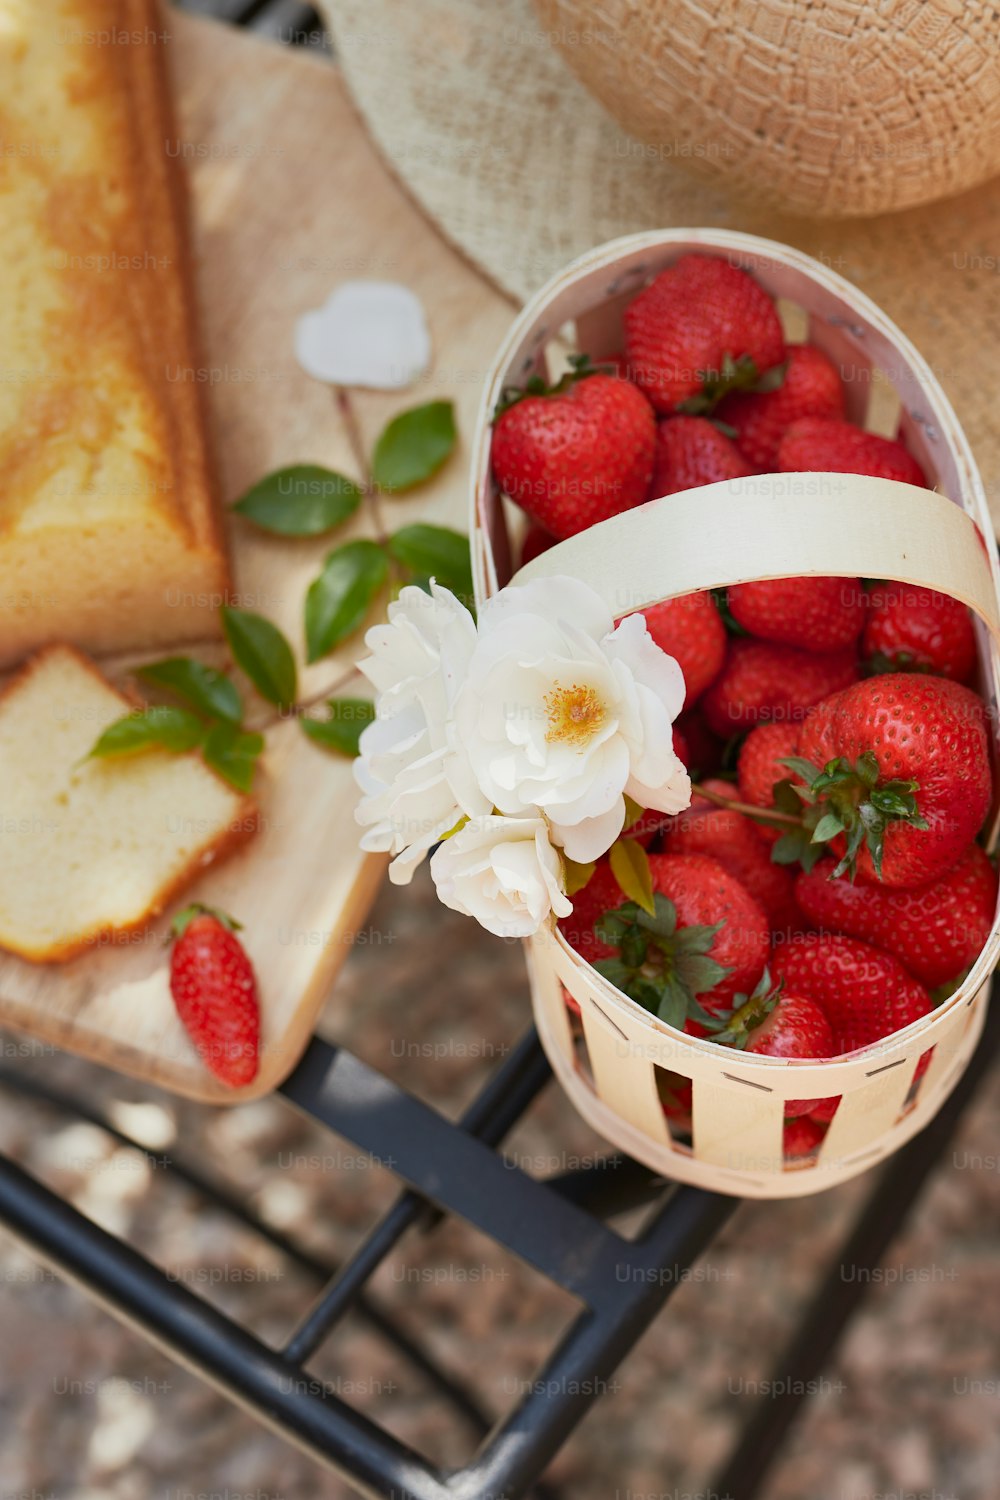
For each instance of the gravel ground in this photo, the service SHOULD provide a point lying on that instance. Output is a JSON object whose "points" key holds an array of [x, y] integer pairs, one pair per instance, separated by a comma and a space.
{"points": [[908, 1411]]}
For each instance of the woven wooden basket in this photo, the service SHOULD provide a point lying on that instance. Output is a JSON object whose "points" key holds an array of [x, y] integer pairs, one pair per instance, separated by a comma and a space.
{"points": [[766, 526]]}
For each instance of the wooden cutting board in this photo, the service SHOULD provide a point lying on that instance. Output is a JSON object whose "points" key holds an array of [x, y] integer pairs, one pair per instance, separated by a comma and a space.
{"points": [[289, 198]]}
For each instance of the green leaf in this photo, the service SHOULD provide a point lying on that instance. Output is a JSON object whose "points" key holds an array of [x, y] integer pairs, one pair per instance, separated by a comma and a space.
{"points": [[157, 727], [303, 500], [263, 653], [338, 600], [232, 753], [700, 973], [803, 768], [203, 688], [630, 867], [788, 849], [828, 827], [673, 1006], [633, 812], [435, 552], [576, 875], [414, 446], [343, 729]]}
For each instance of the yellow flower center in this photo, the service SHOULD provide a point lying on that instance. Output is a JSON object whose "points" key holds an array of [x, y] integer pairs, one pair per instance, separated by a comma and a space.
{"points": [[575, 714]]}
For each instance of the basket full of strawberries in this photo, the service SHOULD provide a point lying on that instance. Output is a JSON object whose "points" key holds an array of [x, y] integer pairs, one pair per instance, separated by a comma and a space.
{"points": [[775, 960]]}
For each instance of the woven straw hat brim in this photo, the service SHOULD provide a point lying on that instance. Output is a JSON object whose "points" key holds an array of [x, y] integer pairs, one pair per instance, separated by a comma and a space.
{"points": [[522, 170]]}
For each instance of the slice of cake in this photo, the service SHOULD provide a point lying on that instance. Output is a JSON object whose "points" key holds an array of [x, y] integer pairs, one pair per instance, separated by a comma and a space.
{"points": [[109, 531], [92, 848]]}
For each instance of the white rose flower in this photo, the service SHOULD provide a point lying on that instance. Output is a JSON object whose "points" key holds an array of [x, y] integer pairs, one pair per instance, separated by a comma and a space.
{"points": [[416, 781], [561, 713], [502, 871]]}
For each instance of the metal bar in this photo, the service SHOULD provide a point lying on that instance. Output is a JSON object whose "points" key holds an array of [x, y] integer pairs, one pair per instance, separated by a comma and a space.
{"points": [[497, 1107], [378, 1319], [884, 1213], [577, 1374], [203, 1339]]}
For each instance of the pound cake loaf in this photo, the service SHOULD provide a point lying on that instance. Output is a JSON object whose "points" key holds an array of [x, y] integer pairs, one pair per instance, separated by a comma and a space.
{"points": [[92, 849], [109, 532]]}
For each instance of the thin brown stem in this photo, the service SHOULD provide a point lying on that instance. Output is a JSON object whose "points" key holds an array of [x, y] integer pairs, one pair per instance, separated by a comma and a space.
{"points": [[356, 441], [761, 814], [297, 710]]}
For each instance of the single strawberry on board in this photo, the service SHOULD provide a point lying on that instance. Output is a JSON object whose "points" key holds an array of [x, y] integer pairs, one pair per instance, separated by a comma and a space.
{"points": [[690, 452], [935, 930], [898, 775], [577, 452], [810, 387], [215, 991], [701, 328], [761, 681], [706, 941], [776, 1023], [690, 629], [915, 629], [827, 445], [816, 614]]}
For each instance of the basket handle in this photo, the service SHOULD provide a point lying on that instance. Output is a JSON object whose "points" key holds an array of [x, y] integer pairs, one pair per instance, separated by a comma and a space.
{"points": [[780, 526]]}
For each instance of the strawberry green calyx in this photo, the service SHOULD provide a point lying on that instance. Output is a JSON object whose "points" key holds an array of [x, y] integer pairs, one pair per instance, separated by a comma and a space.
{"points": [[734, 1027], [660, 966], [579, 369], [182, 921], [735, 375], [847, 800]]}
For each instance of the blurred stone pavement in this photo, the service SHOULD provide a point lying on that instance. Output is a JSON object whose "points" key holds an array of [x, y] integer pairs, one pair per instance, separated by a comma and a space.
{"points": [[908, 1411]]}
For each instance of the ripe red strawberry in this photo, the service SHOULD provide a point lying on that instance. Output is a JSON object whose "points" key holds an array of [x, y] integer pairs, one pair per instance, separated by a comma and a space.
{"points": [[776, 1024], [577, 454], [827, 445], [817, 614], [700, 327], [865, 993], [690, 629], [910, 627], [729, 837], [215, 992], [810, 387], [707, 942], [761, 681], [935, 930], [760, 766], [802, 1137], [911, 784], [691, 451], [536, 541]]}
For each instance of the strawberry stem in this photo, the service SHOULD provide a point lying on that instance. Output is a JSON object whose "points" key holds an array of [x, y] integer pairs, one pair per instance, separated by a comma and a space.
{"points": [[760, 814]]}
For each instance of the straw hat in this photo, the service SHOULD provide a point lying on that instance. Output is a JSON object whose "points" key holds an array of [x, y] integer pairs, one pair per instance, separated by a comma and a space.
{"points": [[477, 113]]}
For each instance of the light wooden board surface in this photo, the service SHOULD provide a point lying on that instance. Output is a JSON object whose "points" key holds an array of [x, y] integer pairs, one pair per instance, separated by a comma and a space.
{"points": [[289, 198]]}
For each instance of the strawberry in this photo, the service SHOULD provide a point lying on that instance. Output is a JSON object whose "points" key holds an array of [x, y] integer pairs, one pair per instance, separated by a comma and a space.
{"points": [[707, 941], [810, 387], [701, 328], [816, 614], [802, 1137], [536, 541], [776, 1024], [761, 765], [729, 837], [828, 445], [690, 629], [865, 993], [911, 629], [691, 451], [576, 453], [761, 681], [905, 781], [935, 930], [215, 992]]}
